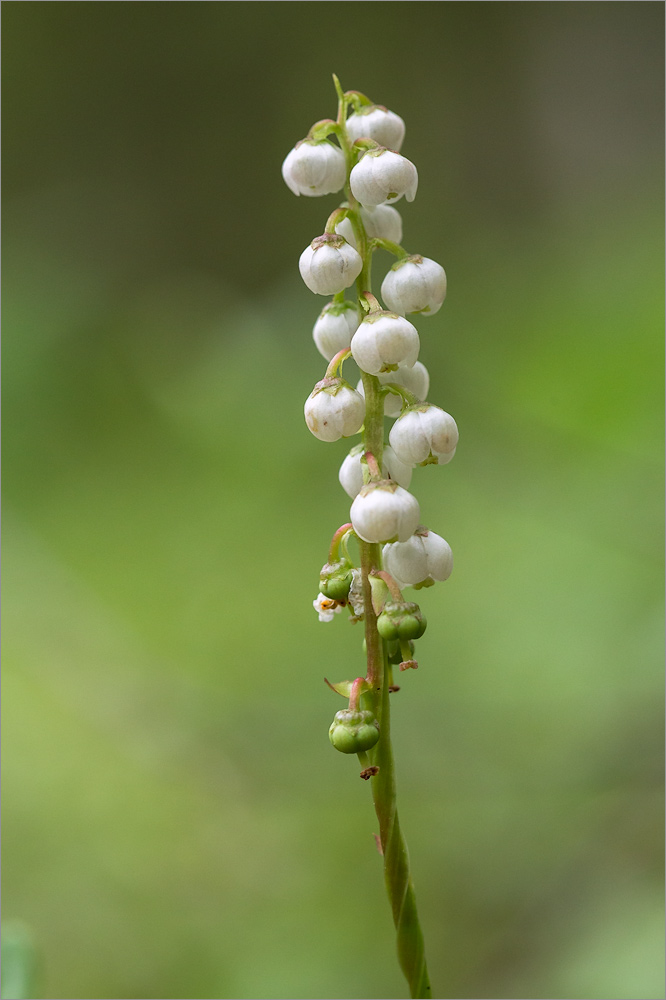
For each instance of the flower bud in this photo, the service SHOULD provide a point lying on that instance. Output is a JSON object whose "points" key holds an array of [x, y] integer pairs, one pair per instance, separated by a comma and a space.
{"points": [[353, 732], [334, 410], [416, 380], [381, 222], [424, 434], [329, 265], [384, 512], [401, 620], [351, 470], [423, 558], [382, 175], [326, 608], [335, 580], [415, 284], [335, 328], [314, 168], [375, 122], [384, 341]]}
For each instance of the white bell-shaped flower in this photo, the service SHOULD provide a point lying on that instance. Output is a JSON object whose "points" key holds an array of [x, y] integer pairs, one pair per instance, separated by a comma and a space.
{"points": [[351, 470], [381, 222], [335, 328], [422, 558], [415, 284], [375, 122], [329, 265], [383, 341], [416, 380], [382, 175], [334, 410], [424, 434], [384, 512], [314, 168]]}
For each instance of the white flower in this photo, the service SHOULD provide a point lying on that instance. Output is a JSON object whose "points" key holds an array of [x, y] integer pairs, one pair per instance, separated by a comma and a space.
{"points": [[416, 380], [329, 265], [381, 175], [334, 410], [376, 122], [351, 470], [415, 284], [381, 222], [314, 168], [335, 327], [326, 608], [383, 341], [356, 594], [383, 511], [424, 434], [422, 558]]}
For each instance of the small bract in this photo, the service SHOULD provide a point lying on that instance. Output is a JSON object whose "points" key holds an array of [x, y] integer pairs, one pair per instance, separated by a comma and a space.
{"points": [[383, 341], [314, 168], [385, 512], [424, 434], [381, 222], [422, 558], [376, 122], [334, 410], [335, 328], [382, 175], [351, 470], [329, 265], [416, 380]]}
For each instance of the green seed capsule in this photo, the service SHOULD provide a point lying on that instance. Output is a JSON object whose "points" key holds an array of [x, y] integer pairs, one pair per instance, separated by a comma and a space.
{"points": [[335, 580], [401, 620], [353, 732]]}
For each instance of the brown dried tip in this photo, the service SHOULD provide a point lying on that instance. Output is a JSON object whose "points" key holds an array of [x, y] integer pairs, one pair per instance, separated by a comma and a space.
{"points": [[369, 772], [393, 688], [378, 843], [409, 665]]}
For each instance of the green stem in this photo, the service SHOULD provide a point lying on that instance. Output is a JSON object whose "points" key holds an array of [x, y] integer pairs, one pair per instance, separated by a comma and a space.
{"points": [[396, 860]]}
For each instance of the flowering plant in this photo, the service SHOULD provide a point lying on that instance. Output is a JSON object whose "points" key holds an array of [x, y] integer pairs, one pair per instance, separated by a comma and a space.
{"points": [[358, 152]]}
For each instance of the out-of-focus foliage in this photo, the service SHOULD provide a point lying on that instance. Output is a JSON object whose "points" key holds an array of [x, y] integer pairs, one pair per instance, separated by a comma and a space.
{"points": [[176, 822]]}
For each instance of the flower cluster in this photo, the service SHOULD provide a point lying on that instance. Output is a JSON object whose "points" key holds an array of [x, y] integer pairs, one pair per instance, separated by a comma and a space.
{"points": [[359, 156]]}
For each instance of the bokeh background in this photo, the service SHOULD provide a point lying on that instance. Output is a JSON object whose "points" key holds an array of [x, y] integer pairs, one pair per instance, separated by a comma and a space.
{"points": [[176, 822]]}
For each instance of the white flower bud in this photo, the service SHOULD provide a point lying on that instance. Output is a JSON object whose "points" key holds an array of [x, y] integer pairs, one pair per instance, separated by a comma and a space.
{"points": [[383, 341], [335, 328], [377, 123], [326, 608], [422, 558], [314, 168], [382, 175], [334, 410], [329, 265], [383, 512], [351, 470], [424, 434], [381, 222], [416, 380], [415, 284]]}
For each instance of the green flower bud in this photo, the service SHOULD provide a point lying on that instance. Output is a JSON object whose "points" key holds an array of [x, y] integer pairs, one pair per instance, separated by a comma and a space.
{"points": [[335, 580], [353, 732], [401, 620]]}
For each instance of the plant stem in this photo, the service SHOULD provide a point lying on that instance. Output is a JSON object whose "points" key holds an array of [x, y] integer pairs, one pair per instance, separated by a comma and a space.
{"points": [[397, 874]]}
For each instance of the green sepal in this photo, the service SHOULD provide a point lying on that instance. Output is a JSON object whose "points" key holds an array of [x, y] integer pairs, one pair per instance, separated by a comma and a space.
{"points": [[345, 687]]}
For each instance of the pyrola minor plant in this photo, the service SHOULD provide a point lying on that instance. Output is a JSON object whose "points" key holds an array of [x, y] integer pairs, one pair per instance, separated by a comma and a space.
{"points": [[358, 153]]}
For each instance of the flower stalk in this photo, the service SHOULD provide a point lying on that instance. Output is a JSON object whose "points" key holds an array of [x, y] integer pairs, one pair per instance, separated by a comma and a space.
{"points": [[358, 156]]}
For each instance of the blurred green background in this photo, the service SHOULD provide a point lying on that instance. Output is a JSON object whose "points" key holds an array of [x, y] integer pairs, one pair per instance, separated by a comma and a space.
{"points": [[176, 822]]}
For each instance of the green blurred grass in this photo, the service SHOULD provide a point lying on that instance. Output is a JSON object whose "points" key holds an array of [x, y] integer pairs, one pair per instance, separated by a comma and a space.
{"points": [[176, 823]]}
